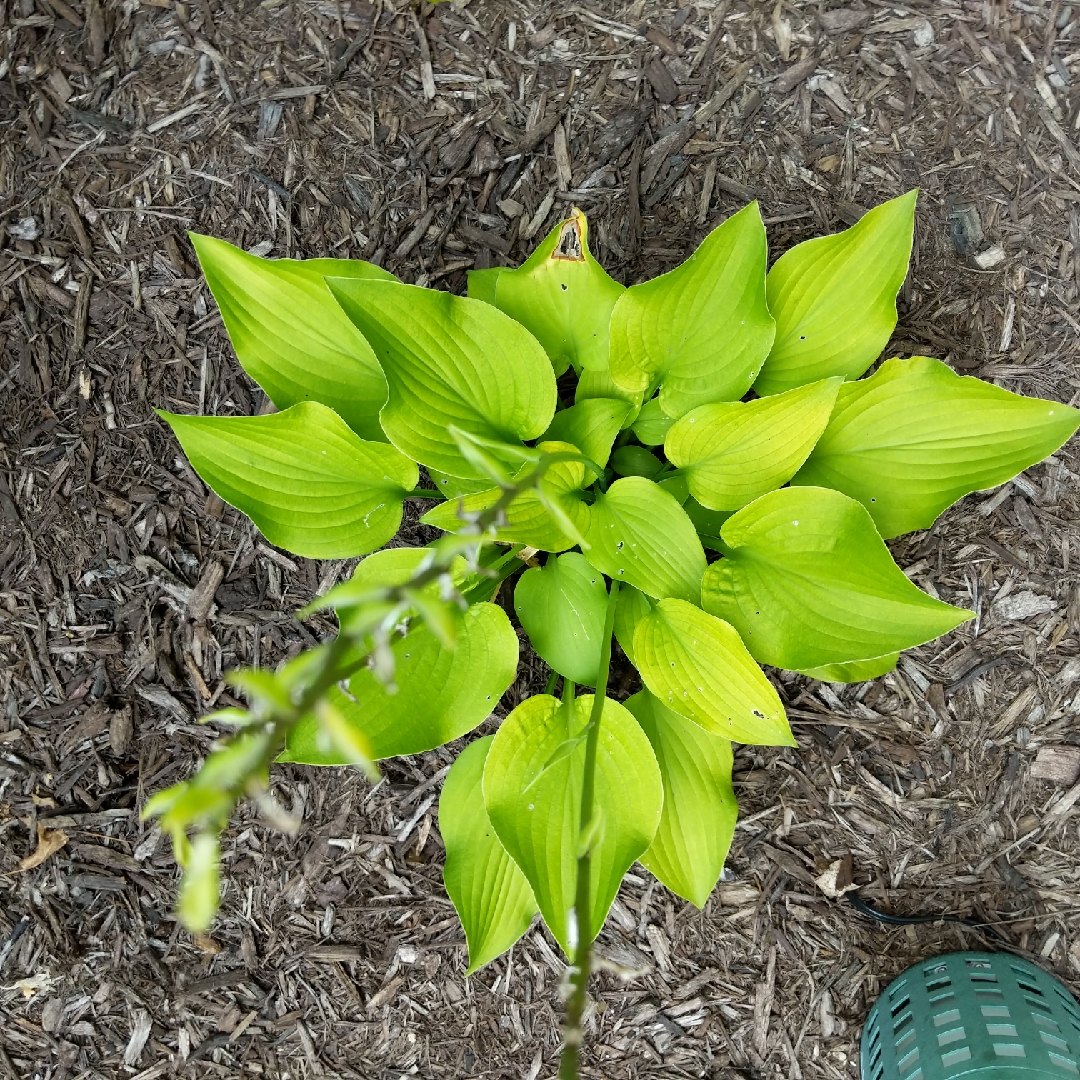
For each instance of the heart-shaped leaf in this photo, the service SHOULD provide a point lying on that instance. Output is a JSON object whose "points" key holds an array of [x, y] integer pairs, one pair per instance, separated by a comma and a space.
{"points": [[562, 608], [441, 693], [590, 425], [639, 534], [808, 581], [490, 894], [915, 437], [697, 665], [450, 362], [290, 334], [309, 482], [698, 822], [702, 331], [535, 804], [731, 453], [563, 296], [834, 299]]}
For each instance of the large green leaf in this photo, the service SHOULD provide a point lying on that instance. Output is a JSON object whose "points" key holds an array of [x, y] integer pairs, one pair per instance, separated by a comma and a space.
{"points": [[631, 607], [688, 852], [808, 581], [441, 693], [591, 425], [915, 437], [834, 298], [697, 665], [639, 534], [449, 361], [290, 334], [562, 608], [490, 894], [733, 452], [534, 802], [702, 331], [563, 296], [528, 519], [306, 479]]}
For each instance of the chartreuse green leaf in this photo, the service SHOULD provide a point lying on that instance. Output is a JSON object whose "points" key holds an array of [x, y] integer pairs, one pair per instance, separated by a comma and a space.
{"points": [[449, 362], [563, 296], [290, 334], [306, 479], [856, 671], [534, 802], [834, 298], [441, 693], [528, 520], [732, 452], [199, 896], [590, 425], [482, 283], [698, 821], [639, 534], [652, 423], [631, 607], [808, 581], [915, 437], [599, 384], [490, 894], [702, 331], [697, 665], [562, 608], [635, 461]]}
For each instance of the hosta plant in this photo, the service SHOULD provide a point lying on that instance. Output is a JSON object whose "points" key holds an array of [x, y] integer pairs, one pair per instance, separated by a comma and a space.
{"points": [[693, 466]]}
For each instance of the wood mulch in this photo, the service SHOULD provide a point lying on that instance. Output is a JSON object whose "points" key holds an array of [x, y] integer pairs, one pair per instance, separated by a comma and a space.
{"points": [[432, 141]]}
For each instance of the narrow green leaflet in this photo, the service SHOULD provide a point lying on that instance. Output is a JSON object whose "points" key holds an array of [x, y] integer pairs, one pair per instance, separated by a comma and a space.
{"points": [[490, 894], [590, 425], [563, 296], [562, 608], [652, 423], [702, 331], [834, 299], [449, 361], [482, 283], [199, 896], [733, 452], [856, 671], [528, 520], [808, 581], [535, 805], [599, 384], [630, 608], [291, 336], [915, 437], [442, 693], [309, 482], [688, 852], [640, 534], [697, 665]]}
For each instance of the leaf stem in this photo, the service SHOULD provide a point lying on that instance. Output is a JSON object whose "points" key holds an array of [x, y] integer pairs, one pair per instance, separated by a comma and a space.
{"points": [[582, 962]]}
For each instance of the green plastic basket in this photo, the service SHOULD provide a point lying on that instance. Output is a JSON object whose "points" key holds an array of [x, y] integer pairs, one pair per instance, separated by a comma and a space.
{"points": [[982, 1016]]}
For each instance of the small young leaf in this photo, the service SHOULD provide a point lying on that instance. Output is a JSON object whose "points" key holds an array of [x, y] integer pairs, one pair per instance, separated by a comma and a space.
{"points": [[635, 461], [639, 534], [599, 384], [652, 423], [808, 581], [590, 425], [697, 825], [834, 299], [442, 693], [701, 331], [733, 452], [482, 283], [697, 665], [538, 824], [308, 481], [707, 522], [490, 894], [562, 608], [856, 671], [564, 297], [915, 437], [630, 608], [450, 362], [291, 336]]}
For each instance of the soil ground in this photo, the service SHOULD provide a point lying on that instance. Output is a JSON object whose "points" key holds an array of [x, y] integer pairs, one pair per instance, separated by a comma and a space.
{"points": [[431, 142]]}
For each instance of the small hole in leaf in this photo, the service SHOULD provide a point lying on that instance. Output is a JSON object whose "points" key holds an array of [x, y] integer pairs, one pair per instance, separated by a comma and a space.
{"points": [[563, 287]]}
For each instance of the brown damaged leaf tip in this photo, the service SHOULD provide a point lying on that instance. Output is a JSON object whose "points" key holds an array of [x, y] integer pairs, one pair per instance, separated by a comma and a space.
{"points": [[49, 842], [571, 246]]}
